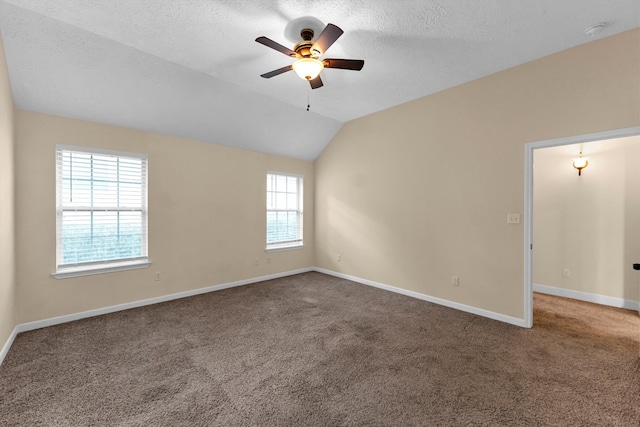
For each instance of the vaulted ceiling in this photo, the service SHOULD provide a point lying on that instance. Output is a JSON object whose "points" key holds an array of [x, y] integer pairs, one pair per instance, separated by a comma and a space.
{"points": [[192, 68]]}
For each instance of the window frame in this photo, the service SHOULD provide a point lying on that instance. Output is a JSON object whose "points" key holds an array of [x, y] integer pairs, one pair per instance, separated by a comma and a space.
{"points": [[104, 265], [299, 241]]}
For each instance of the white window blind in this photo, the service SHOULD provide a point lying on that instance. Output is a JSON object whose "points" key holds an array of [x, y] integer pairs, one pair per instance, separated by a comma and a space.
{"points": [[284, 210], [101, 208]]}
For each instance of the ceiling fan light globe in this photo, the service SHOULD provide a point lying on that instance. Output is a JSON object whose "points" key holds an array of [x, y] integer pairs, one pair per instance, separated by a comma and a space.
{"points": [[308, 68]]}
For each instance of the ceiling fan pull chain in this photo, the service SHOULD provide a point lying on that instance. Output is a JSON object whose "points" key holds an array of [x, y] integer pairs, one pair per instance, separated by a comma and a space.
{"points": [[308, 104]]}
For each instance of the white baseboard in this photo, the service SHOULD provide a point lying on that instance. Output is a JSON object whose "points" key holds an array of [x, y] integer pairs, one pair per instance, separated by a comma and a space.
{"points": [[8, 344], [120, 307], [30, 326], [435, 300], [588, 297]]}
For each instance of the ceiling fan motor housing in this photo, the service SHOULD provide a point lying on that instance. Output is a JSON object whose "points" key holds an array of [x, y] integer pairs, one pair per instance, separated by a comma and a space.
{"points": [[303, 48]]}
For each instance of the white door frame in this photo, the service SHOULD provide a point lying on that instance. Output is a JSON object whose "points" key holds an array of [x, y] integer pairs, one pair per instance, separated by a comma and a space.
{"points": [[528, 201]]}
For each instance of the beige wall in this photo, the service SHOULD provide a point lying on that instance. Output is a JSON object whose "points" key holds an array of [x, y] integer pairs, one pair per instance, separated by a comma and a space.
{"points": [[7, 256], [588, 224], [417, 193], [206, 217], [408, 196]]}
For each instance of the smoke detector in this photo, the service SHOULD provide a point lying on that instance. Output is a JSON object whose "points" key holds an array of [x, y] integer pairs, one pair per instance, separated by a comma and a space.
{"points": [[595, 29]]}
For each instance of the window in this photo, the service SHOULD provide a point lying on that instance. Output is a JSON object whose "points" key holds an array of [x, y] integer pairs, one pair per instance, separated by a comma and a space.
{"points": [[284, 211], [101, 211]]}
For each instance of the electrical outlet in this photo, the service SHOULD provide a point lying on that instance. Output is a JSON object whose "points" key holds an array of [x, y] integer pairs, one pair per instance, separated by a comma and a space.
{"points": [[338, 258], [257, 261], [269, 260], [455, 281], [157, 278], [566, 273]]}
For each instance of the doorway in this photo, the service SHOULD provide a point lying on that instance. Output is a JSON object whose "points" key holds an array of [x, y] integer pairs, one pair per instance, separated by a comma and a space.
{"points": [[631, 276]]}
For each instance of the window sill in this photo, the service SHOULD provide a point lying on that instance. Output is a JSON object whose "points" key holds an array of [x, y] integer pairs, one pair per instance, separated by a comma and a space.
{"points": [[276, 248], [88, 271]]}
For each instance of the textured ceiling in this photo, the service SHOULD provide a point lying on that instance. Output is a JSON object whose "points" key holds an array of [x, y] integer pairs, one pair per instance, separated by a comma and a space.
{"points": [[192, 68]]}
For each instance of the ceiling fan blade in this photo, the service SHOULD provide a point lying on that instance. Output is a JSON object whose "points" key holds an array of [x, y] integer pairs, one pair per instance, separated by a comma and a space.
{"points": [[277, 46], [326, 38], [276, 72], [345, 64], [316, 83]]}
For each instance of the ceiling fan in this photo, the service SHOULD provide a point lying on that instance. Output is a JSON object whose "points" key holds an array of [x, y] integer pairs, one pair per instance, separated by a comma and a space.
{"points": [[306, 52]]}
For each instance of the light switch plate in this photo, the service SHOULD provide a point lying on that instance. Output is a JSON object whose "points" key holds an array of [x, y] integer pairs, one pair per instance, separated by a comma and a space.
{"points": [[513, 218]]}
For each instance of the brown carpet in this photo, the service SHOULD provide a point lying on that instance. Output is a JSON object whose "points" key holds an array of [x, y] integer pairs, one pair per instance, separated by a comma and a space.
{"points": [[315, 350]]}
